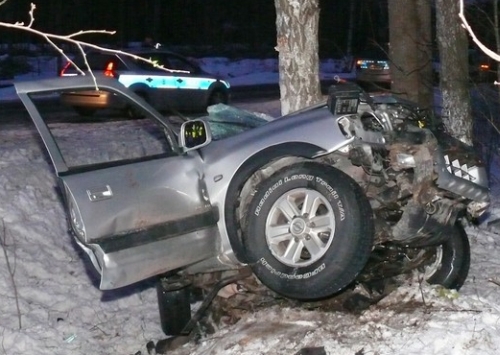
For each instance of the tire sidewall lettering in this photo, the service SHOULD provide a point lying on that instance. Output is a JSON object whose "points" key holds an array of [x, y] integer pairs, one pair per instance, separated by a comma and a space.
{"points": [[332, 194], [348, 251], [284, 275], [267, 195], [312, 181]]}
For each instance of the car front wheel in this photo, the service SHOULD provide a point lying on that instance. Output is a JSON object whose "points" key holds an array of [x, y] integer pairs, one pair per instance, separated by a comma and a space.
{"points": [[450, 261], [309, 231], [217, 97], [134, 112]]}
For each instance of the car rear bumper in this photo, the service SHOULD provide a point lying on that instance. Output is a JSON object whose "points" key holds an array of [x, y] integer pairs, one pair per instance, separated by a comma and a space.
{"points": [[382, 76]]}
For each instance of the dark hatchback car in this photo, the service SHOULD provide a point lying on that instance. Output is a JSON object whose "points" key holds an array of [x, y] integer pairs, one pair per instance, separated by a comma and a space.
{"points": [[372, 65], [183, 86]]}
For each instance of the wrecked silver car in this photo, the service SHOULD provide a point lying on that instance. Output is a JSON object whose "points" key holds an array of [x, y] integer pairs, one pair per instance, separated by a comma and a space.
{"points": [[311, 201]]}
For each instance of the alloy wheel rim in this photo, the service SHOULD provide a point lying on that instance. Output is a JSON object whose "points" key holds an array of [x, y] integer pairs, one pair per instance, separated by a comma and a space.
{"points": [[300, 227]]}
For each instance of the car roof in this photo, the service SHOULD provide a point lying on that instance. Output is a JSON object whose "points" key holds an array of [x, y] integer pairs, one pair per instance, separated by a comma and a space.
{"points": [[80, 82], [373, 51], [68, 83], [140, 50], [98, 59], [134, 51]]}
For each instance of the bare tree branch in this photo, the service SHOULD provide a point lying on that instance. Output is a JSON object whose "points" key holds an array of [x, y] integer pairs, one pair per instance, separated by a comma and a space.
{"points": [[10, 268], [72, 38], [494, 282], [476, 40]]}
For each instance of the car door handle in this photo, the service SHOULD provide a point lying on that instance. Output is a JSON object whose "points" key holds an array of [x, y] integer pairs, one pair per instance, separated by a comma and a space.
{"points": [[99, 194]]}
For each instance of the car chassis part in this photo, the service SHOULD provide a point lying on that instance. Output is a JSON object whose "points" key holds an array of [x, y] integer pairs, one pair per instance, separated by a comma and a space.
{"points": [[175, 283]]}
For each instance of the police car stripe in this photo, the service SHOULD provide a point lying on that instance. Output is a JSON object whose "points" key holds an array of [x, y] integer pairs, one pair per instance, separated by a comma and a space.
{"points": [[173, 82]]}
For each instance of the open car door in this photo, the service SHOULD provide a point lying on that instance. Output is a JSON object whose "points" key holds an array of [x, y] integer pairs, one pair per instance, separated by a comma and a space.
{"points": [[135, 204]]}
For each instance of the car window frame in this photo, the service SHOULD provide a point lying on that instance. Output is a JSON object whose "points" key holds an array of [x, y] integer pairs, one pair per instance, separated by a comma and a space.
{"points": [[98, 61], [24, 92], [166, 63]]}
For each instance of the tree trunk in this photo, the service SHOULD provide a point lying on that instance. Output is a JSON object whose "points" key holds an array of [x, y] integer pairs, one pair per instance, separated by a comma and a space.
{"points": [[425, 54], [403, 50], [297, 25], [454, 73], [411, 50]]}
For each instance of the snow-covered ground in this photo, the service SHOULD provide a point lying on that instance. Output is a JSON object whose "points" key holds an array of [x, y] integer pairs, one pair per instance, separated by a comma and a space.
{"points": [[49, 304]]}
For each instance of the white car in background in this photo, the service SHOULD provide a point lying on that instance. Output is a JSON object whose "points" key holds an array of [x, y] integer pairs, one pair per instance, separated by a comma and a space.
{"points": [[185, 88]]}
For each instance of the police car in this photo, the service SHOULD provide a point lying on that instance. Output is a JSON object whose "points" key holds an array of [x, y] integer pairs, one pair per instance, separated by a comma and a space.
{"points": [[173, 83]]}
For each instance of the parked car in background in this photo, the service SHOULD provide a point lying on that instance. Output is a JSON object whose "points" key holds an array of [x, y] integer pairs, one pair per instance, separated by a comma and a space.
{"points": [[483, 69], [186, 87], [372, 66], [373, 70]]}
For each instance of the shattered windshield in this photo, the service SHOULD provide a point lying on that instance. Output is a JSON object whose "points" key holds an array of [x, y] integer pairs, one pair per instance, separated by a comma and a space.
{"points": [[226, 121]]}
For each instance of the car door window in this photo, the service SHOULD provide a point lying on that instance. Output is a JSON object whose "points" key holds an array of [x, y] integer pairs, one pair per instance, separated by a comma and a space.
{"points": [[178, 63], [105, 136], [99, 61], [166, 60], [158, 58]]}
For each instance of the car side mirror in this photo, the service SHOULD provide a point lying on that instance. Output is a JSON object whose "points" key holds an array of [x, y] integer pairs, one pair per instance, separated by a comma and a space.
{"points": [[195, 134]]}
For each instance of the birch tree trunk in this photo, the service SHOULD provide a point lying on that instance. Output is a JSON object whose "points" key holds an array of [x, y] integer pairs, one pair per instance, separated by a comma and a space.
{"points": [[297, 25], [454, 72]]}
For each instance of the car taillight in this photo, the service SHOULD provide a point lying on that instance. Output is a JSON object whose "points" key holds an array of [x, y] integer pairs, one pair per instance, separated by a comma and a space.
{"points": [[110, 70], [66, 66], [484, 67]]}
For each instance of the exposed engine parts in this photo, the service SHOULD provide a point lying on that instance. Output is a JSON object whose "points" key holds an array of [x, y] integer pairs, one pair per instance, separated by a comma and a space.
{"points": [[419, 182]]}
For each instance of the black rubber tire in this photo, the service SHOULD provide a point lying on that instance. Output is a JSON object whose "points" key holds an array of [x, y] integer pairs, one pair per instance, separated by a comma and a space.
{"points": [[132, 111], [339, 261], [84, 111], [454, 263], [217, 97], [174, 308]]}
